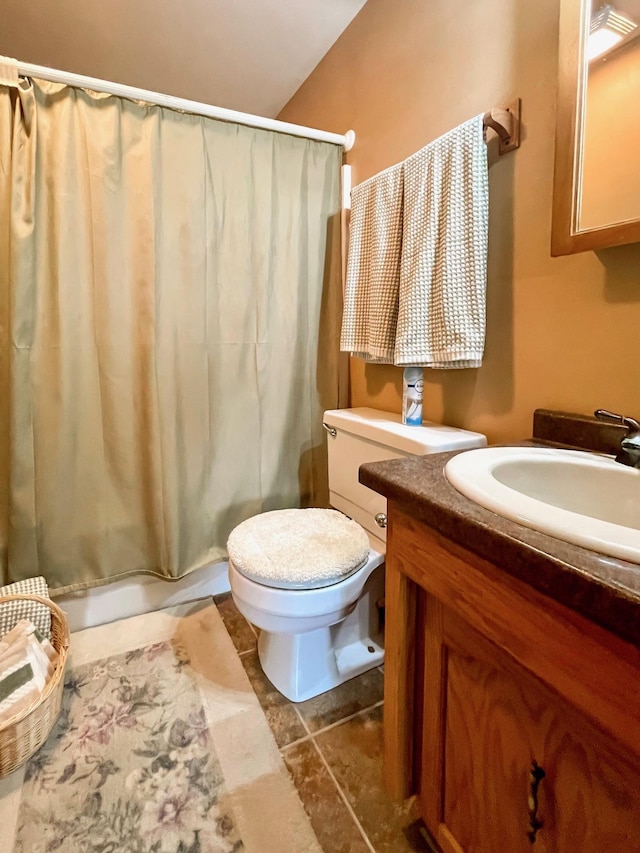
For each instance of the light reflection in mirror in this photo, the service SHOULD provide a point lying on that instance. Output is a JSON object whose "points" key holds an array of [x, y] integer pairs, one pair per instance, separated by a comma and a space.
{"points": [[609, 169]]}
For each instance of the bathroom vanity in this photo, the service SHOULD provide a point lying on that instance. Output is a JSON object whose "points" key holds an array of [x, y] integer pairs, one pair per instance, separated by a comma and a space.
{"points": [[512, 675]]}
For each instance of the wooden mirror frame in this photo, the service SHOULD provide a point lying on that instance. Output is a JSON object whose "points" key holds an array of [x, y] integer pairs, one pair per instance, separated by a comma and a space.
{"points": [[566, 237]]}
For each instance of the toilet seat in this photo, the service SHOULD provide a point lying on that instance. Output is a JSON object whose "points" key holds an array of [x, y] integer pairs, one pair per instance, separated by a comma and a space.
{"points": [[298, 549], [295, 610]]}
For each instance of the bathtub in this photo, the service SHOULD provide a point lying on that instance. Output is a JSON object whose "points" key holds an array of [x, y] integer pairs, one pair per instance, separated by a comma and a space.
{"points": [[140, 594]]}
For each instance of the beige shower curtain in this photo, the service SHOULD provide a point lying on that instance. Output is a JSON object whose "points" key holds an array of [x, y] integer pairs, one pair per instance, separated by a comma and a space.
{"points": [[169, 317]]}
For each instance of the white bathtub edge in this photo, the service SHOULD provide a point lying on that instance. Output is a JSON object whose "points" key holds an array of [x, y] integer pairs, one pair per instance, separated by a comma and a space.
{"points": [[143, 594]]}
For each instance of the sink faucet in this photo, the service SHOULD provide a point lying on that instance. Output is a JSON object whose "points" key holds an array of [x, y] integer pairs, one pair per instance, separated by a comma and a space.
{"points": [[629, 453]]}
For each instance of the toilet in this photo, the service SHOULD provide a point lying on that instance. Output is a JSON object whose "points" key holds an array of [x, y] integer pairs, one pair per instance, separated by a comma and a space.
{"points": [[312, 580]]}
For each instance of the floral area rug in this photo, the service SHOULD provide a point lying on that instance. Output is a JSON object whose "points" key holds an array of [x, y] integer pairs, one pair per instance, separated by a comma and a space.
{"points": [[161, 746]]}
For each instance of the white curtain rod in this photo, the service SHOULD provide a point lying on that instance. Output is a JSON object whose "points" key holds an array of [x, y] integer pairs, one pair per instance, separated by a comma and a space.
{"points": [[27, 70]]}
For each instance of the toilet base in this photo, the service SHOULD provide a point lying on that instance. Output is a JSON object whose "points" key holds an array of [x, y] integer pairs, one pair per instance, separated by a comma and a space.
{"points": [[302, 666]]}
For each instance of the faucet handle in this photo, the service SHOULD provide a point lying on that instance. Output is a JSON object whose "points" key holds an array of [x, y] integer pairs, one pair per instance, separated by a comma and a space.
{"points": [[631, 423]]}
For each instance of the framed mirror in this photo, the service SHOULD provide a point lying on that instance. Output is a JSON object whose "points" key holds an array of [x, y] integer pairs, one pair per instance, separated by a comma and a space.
{"points": [[596, 192]]}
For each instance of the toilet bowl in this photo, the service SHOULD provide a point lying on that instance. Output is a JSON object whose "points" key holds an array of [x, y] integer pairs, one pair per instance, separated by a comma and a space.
{"points": [[321, 625], [314, 639]]}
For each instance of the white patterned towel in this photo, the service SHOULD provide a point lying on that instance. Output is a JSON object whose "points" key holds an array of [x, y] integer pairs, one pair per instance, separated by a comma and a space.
{"points": [[443, 276], [11, 612], [373, 268]]}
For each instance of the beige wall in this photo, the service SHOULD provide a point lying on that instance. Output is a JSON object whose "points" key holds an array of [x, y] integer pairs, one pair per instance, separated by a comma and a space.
{"points": [[561, 332], [248, 55]]}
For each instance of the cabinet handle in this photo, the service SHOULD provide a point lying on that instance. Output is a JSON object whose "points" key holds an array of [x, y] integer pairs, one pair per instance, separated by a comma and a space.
{"points": [[536, 775], [380, 519]]}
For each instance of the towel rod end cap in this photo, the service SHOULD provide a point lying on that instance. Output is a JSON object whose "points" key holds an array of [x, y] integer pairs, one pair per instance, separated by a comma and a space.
{"points": [[349, 140]]}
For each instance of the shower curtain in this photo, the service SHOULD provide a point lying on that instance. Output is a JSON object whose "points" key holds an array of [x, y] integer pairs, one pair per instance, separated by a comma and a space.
{"points": [[169, 310]]}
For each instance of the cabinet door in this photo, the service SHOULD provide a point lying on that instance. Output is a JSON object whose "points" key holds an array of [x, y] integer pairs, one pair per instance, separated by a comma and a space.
{"points": [[488, 744], [590, 798], [486, 720]]}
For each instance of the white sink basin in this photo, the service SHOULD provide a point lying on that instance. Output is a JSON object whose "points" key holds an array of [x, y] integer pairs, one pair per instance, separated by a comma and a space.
{"points": [[576, 496]]}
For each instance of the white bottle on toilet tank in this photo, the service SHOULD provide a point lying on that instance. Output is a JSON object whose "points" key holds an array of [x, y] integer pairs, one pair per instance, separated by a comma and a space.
{"points": [[412, 388]]}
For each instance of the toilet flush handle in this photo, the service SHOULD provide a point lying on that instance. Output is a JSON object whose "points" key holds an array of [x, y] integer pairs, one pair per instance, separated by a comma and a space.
{"points": [[331, 430], [380, 519]]}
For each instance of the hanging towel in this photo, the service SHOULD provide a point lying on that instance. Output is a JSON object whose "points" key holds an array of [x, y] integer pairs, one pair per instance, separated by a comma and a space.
{"points": [[443, 274], [373, 268]]}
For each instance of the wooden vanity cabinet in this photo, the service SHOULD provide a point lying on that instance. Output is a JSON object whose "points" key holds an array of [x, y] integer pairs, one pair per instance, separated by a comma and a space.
{"points": [[489, 683]]}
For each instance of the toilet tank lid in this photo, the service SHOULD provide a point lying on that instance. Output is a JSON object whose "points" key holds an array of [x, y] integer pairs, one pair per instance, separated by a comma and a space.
{"points": [[387, 428]]}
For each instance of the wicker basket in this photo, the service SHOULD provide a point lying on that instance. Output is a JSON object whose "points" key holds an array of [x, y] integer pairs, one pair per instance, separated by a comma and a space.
{"points": [[22, 735]]}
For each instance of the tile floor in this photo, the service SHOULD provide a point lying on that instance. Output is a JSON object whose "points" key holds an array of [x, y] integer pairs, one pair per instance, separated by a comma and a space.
{"points": [[332, 746]]}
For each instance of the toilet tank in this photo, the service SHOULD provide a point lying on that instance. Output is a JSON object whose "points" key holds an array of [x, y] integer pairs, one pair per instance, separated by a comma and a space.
{"points": [[369, 435]]}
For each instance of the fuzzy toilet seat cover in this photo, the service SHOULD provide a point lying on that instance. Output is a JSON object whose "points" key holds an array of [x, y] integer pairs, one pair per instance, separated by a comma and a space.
{"points": [[298, 548]]}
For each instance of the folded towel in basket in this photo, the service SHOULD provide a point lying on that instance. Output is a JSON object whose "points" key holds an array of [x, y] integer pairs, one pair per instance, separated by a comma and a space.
{"points": [[373, 268], [11, 612], [21, 632], [27, 662]]}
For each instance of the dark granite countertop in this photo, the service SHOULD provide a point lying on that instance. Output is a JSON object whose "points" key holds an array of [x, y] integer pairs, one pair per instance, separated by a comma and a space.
{"points": [[603, 589]]}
